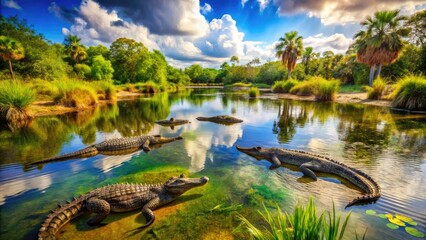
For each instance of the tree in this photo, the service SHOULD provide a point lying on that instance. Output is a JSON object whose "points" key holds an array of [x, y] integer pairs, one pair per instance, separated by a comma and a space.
{"points": [[101, 68], [234, 60], [74, 49], [306, 58], [289, 48], [10, 49], [94, 51], [381, 43], [194, 72], [417, 24]]}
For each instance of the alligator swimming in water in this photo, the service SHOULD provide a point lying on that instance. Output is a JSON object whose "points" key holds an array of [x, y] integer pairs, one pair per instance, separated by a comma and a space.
{"points": [[172, 122], [309, 162], [224, 119], [117, 146], [118, 198]]}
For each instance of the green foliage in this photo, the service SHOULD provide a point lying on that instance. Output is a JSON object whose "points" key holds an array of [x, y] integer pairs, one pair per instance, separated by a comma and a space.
{"points": [[148, 87], [83, 70], [106, 89], [74, 49], [94, 51], [101, 68], [303, 223], [270, 72], [253, 92], [304, 88], [326, 90], [177, 76], [410, 93], [73, 93], [284, 86], [241, 84], [350, 89], [376, 91], [44, 89], [288, 49], [14, 94]]}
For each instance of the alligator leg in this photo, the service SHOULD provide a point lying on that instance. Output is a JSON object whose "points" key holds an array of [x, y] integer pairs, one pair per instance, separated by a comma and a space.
{"points": [[276, 163], [307, 168], [148, 213], [100, 207], [145, 146]]}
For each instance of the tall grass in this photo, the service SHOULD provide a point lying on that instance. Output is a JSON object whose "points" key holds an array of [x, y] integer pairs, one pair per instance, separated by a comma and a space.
{"points": [[74, 93], [377, 89], [284, 86], [410, 93], [305, 88], [106, 89], [304, 223], [44, 89], [253, 92], [326, 90], [15, 98], [148, 87]]}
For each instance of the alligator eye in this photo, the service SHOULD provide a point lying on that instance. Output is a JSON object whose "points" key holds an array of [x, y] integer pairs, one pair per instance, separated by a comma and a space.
{"points": [[182, 175], [258, 148]]}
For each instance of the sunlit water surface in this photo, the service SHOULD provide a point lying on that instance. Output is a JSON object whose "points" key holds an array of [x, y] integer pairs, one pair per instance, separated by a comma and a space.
{"points": [[388, 146]]}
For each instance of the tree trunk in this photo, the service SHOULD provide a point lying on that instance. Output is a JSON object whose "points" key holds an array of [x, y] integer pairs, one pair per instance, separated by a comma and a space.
{"points": [[10, 70], [370, 80], [289, 74], [379, 69]]}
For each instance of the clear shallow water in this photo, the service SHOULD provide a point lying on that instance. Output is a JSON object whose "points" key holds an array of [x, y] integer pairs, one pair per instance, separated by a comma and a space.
{"points": [[390, 147]]}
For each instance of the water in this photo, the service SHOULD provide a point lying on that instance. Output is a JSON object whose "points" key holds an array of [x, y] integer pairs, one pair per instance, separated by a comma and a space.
{"points": [[390, 147]]}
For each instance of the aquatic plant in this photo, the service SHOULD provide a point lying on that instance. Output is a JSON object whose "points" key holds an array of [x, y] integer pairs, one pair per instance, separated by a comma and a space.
{"points": [[410, 93], [303, 223], [15, 98], [74, 93], [376, 91], [284, 86], [253, 92]]}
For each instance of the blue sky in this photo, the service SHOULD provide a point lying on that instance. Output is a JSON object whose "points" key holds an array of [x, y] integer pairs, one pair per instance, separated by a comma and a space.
{"points": [[207, 32]]}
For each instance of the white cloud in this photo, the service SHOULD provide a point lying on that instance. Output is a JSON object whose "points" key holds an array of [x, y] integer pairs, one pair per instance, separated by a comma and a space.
{"points": [[337, 43], [342, 12], [206, 8], [262, 4], [243, 2], [10, 4]]}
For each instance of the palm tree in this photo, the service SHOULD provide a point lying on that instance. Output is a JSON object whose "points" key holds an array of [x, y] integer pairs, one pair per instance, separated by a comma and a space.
{"points": [[74, 48], [289, 48], [308, 54], [381, 43], [10, 49]]}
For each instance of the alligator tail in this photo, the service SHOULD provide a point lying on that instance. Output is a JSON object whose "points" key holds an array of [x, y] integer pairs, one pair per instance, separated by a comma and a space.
{"points": [[59, 217], [365, 199], [202, 118], [86, 152]]}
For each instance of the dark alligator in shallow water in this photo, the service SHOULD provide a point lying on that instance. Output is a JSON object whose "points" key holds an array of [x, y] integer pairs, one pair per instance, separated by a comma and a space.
{"points": [[223, 119], [172, 122], [117, 146], [118, 198], [309, 162]]}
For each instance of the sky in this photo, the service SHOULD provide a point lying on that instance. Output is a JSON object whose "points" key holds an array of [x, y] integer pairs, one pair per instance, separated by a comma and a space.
{"points": [[206, 32]]}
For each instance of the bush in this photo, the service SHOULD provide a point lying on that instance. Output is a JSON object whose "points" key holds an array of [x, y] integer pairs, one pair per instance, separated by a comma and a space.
{"points": [[14, 101], [83, 71], [75, 94], [284, 86], [253, 92], [130, 87], [376, 91], [101, 68], [148, 87], [326, 90], [305, 88], [106, 89], [304, 223], [44, 89], [410, 93]]}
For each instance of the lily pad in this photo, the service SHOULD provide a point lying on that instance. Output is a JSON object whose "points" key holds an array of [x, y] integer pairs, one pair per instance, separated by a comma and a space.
{"points": [[392, 226], [414, 232], [403, 218], [388, 215], [412, 223], [397, 222], [370, 212], [381, 215]]}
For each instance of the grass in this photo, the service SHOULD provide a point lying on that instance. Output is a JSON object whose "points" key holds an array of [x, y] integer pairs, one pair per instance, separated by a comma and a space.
{"points": [[284, 86], [148, 87], [73, 93], [262, 85], [326, 90], [351, 89], [303, 223], [241, 84], [106, 88], [15, 98], [410, 93], [44, 89], [253, 92], [305, 88], [377, 89]]}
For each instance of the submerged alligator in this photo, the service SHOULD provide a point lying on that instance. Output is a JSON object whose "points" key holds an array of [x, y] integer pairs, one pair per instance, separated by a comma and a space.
{"points": [[172, 122], [117, 146], [118, 198], [309, 162], [223, 119]]}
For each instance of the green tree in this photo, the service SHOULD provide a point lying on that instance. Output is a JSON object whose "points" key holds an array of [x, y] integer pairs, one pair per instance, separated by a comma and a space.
{"points": [[417, 24], [83, 70], [381, 42], [101, 68], [157, 71], [10, 49], [289, 48], [328, 63], [75, 49], [194, 72], [94, 51], [308, 54], [234, 60]]}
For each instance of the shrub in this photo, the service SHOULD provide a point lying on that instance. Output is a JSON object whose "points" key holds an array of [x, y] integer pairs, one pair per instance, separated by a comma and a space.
{"points": [[44, 89], [410, 93], [303, 223], [304, 88], [284, 86], [147, 87], [75, 94], [101, 68], [130, 87], [14, 101], [83, 70], [253, 92], [106, 89], [326, 90], [377, 89]]}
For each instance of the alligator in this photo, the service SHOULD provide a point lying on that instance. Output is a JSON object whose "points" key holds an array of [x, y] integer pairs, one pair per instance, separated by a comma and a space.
{"points": [[309, 162], [223, 119], [172, 122], [117, 146], [118, 198]]}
